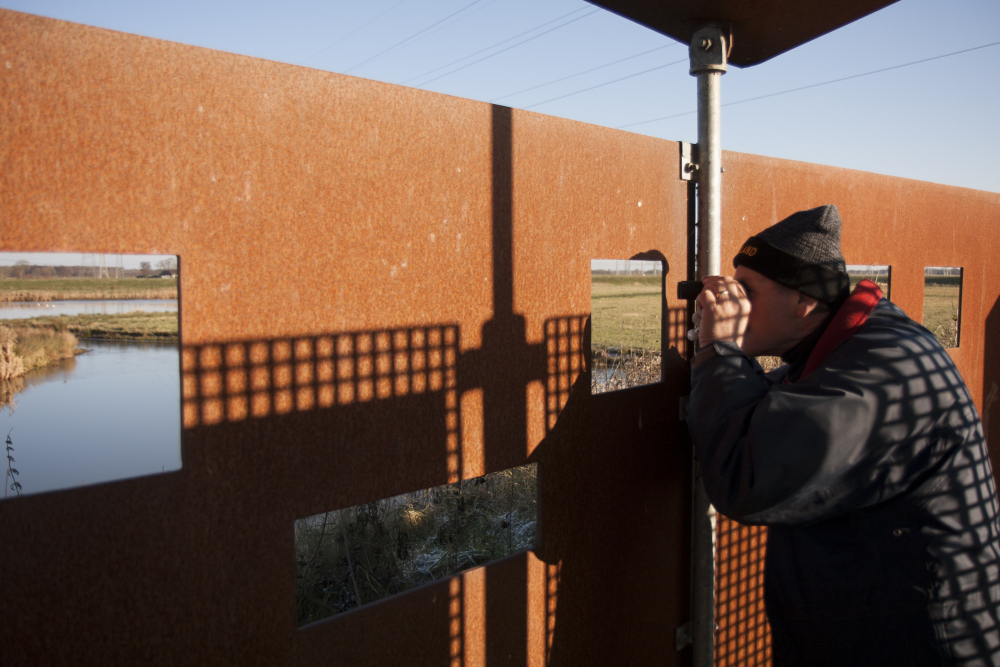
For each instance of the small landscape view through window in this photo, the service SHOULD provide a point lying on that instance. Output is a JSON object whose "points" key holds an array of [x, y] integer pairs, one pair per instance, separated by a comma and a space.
{"points": [[626, 310], [89, 368], [943, 303]]}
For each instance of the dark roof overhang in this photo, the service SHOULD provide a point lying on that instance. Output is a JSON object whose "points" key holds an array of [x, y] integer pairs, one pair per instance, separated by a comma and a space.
{"points": [[760, 29]]}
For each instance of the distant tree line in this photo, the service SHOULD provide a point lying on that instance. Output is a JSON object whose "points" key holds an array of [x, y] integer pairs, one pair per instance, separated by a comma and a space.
{"points": [[634, 272], [23, 270]]}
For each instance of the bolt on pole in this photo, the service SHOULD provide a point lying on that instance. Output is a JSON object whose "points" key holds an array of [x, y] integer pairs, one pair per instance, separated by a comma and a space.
{"points": [[708, 52]]}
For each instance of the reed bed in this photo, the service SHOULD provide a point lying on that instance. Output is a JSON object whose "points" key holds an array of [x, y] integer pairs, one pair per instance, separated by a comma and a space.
{"points": [[86, 289], [45, 296], [23, 350], [349, 557], [137, 325], [617, 368]]}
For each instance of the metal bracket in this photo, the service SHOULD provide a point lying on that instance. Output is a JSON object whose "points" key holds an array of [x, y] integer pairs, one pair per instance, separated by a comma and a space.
{"points": [[682, 407], [688, 167], [682, 636], [708, 50]]}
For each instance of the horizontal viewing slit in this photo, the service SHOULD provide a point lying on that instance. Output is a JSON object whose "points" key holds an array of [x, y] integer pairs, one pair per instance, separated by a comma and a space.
{"points": [[349, 557]]}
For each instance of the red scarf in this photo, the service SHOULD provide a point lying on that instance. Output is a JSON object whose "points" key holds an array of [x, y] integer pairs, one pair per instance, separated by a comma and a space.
{"points": [[845, 323]]}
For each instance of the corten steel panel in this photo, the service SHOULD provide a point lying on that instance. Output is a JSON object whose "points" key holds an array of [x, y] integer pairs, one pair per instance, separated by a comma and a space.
{"points": [[760, 30], [899, 222], [382, 289], [902, 223]]}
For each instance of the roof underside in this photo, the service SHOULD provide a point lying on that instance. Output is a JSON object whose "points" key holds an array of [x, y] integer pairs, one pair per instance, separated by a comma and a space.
{"points": [[761, 29]]}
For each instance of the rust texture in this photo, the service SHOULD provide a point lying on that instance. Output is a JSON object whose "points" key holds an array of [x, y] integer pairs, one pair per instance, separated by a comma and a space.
{"points": [[382, 290], [743, 637], [760, 30]]}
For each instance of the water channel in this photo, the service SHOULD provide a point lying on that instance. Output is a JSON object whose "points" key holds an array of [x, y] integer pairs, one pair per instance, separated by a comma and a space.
{"points": [[111, 413], [16, 310]]}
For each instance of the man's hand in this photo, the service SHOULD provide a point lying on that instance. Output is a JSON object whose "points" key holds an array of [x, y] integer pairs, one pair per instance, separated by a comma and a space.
{"points": [[721, 311]]}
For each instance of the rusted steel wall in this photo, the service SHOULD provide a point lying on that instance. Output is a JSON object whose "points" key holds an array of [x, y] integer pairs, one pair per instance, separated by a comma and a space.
{"points": [[382, 289], [905, 224], [385, 289], [743, 638]]}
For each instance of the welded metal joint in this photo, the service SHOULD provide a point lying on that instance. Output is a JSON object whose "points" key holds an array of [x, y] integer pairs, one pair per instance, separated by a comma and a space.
{"points": [[708, 50], [688, 165]]}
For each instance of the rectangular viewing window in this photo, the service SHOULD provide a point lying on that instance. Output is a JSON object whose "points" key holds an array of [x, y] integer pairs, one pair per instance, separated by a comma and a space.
{"points": [[943, 303], [626, 311], [89, 369], [350, 557], [881, 275]]}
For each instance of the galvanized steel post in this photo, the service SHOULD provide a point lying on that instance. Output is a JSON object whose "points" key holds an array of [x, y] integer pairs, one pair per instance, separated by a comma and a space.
{"points": [[708, 53]]}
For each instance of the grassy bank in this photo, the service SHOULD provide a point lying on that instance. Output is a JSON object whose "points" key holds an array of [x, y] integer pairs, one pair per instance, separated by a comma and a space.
{"points": [[360, 554], [941, 309], [24, 349], [69, 289], [129, 326], [625, 312]]}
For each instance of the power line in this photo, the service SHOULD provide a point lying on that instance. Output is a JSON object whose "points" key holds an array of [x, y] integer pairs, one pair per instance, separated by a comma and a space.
{"points": [[512, 46], [365, 25], [472, 55], [594, 69], [416, 34], [457, 20], [607, 83], [816, 85]]}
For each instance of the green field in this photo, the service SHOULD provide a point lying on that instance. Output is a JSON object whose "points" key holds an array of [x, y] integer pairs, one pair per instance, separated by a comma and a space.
{"points": [[953, 281], [941, 305], [64, 289], [880, 279], [130, 326], [626, 312]]}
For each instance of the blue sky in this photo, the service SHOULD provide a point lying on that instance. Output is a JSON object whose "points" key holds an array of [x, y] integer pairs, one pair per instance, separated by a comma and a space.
{"points": [[935, 121]]}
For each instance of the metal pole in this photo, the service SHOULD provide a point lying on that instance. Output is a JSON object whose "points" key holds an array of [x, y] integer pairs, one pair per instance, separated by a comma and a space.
{"points": [[709, 171], [708, 63]]}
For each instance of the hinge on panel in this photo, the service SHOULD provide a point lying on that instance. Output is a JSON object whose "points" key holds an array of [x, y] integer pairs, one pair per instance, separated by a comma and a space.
{"points": [[682, 406], [682, 636], [688, 168]]}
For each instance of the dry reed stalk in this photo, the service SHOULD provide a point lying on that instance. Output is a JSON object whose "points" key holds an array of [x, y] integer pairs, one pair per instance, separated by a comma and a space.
{"points": [[394, 544], [11, 364], [615, 370], [12, 472], [45, 296]]}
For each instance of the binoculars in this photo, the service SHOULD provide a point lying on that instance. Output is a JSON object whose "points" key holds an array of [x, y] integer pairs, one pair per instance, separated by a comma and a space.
{"points": [[689, 289]]}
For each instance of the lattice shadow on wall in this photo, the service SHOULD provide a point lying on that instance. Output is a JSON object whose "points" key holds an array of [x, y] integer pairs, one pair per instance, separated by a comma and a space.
{"points": [[743, 637]]}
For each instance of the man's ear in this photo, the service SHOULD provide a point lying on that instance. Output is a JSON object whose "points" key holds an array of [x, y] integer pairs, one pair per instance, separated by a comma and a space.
{"points": [[806, 305]]}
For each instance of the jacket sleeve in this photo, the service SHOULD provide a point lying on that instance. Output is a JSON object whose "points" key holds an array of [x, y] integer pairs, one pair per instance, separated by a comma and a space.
{"points": [[855, 432]]}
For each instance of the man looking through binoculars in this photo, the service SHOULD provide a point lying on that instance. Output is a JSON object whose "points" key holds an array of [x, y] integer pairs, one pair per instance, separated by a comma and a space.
{"points": [[864, 454]]}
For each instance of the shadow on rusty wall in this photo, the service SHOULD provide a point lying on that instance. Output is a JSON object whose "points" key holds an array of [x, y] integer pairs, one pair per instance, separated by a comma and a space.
{"points": [[991, 384], [277, 429]]}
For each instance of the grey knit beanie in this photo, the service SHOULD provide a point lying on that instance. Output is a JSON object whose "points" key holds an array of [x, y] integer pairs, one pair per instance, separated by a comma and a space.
{"points": [[801, 252]]}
